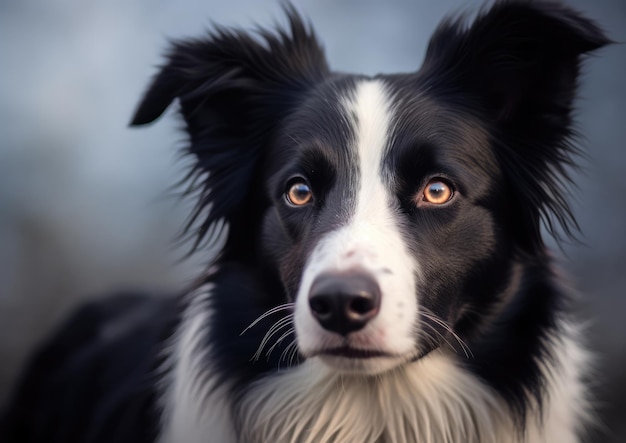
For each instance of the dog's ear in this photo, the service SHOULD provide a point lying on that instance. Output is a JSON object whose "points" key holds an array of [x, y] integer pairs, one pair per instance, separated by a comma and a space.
{"points": [[518, 64], [234, 88]]}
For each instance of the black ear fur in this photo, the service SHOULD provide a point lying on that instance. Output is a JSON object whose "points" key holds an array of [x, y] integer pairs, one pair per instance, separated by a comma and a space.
{"points": [[234, 88], [518, 63]]}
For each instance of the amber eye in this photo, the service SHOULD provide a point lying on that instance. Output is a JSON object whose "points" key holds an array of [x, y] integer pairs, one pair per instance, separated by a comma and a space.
{"points": [[299, 193], [437, 192]]}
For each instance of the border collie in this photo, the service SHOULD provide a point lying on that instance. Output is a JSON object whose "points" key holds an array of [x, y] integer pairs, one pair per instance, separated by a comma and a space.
{"points": [[382, 275]]}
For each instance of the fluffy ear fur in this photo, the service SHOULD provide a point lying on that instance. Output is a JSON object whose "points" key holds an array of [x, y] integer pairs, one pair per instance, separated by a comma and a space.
{"points": [[519, 61], [234, 88]]}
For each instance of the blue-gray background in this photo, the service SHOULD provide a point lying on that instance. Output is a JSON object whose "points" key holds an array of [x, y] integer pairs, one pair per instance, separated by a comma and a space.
{"points": [[84, 207]]}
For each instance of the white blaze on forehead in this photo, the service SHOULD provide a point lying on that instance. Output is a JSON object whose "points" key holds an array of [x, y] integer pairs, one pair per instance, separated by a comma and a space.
{"points": [[371, 113], [371, 110], [371, 240]]}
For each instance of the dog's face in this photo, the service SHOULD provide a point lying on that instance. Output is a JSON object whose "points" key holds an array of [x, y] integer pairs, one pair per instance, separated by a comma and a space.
{"points": [[384, 220], [391, 211]]}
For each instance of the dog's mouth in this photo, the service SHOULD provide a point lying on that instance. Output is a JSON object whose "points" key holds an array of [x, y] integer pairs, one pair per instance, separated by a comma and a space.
{"points": [[358, 360], [353, 353]]}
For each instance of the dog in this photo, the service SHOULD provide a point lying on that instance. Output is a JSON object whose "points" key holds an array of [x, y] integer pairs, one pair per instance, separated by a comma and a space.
{"points": [[382, 274]]}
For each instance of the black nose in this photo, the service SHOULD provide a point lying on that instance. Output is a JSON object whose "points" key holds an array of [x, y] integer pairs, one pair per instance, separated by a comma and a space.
{"points": [[344, 303]]}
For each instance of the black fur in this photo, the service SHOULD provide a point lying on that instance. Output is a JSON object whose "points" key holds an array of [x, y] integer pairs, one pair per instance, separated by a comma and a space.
{"points": [[234, 91], [95, 379]]}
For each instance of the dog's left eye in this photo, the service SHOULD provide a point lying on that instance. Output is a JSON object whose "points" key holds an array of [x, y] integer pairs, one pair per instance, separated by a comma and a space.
{"points": [[299, 193], [437, 192]]}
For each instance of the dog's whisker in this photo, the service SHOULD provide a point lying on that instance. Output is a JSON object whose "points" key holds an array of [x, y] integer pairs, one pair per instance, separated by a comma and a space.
{"points": [[286, 351], [280, 339], [440, 335], [293, 359], [271, 331], [466, 350], [447, 327], [464, 346], [432, 340], [430, 315], [277, 326], [267, 313]]}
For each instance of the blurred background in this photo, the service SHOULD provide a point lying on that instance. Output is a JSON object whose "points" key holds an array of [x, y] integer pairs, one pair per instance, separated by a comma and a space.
{"points": [[85, 207]]}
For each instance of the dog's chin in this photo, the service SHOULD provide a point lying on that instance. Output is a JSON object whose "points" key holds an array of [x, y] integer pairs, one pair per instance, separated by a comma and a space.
{"points": [[364, 365]]}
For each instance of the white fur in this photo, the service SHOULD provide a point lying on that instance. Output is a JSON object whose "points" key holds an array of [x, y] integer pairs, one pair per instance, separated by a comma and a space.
{"points": [[194, 408], [371, 241], [431, 400], [568, 407]]}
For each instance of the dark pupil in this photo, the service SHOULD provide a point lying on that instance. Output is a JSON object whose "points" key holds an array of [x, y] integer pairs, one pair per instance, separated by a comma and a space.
{"points": [[301, 191], [436, 190]]}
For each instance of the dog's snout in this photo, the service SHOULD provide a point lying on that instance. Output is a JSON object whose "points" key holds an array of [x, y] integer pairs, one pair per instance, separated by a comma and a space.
{"points": [[344, 303]]}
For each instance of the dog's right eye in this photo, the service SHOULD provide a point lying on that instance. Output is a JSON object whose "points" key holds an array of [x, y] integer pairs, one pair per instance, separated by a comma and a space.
{"points": [[437, 192], [299, 192]]}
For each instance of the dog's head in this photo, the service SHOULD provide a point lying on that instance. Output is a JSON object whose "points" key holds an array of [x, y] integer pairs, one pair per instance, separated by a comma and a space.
{"points": [[393, 211]]}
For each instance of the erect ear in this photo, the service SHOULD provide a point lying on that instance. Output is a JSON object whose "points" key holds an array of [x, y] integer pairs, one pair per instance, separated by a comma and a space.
{"points": [[234, 89], [517, 65]]}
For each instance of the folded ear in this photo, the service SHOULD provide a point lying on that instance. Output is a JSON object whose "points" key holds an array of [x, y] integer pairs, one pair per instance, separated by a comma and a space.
{"points": [[517, 64], [233, 88]]}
